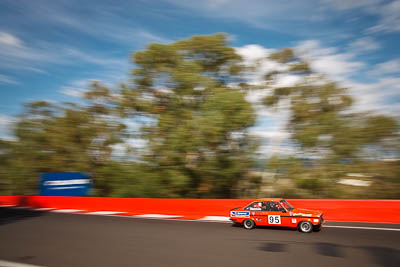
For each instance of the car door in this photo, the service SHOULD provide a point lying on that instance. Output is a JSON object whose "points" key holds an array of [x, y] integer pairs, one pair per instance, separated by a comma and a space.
{"points": [[255, 212], [276, 215], [263, 217]]}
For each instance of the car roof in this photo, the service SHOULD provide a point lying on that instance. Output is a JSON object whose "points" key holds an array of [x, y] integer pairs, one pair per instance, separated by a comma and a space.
{"points": [[269, 199]]}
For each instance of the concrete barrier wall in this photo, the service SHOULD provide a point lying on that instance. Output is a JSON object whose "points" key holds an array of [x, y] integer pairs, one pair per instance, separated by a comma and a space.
{"points": [[355, 210]]}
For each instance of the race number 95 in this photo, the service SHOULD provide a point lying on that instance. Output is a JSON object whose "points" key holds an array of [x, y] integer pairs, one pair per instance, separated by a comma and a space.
{"points": [[274, 219]]}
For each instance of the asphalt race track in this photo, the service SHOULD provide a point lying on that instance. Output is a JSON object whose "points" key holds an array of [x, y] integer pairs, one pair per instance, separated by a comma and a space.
{"points": [[51, 239]]}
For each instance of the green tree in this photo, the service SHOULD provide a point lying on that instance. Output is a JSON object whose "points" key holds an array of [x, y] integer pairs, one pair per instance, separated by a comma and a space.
{"points": [[199, 143], [61, 138], [324, 126]]}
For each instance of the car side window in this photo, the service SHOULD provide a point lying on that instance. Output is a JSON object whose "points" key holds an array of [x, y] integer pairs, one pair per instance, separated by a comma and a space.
{"points": [[274, 206], [264, 206], [254, 206], [270, 206]]}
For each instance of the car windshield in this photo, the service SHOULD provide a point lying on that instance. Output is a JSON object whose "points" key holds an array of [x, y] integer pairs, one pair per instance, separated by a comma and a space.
{"points": [[286, 205]]}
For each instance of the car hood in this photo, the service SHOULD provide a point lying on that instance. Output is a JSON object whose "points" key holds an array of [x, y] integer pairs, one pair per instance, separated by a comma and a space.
{"points": [[306, 212]]}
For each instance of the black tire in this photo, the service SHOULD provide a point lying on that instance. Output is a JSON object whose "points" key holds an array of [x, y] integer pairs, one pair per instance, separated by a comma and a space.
{"points": [[249, 224], [305, 227]]}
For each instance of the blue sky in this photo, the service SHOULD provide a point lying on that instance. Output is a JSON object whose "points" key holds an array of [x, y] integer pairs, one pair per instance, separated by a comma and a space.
{"points": [[51, 49]]}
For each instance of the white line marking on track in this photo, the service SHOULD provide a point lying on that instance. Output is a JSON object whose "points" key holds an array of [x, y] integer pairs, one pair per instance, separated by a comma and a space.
{"points": [[156, 216], [361, 227], [215, 218], [66, 211], [165, 219], [16, 264], [105, 212], [43, 209]]}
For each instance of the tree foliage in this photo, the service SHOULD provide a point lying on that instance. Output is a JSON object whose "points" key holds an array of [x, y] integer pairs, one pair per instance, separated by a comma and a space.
{"points": [[199, 143], [60, 138], [327, 129]]}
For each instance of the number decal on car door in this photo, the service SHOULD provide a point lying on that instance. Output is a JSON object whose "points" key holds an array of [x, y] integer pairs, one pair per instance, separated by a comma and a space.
{"points": [[274, 219]]}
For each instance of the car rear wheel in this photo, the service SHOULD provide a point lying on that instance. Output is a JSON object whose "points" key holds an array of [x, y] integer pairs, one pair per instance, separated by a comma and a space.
{"points": [[305, 227], [249, 224]]}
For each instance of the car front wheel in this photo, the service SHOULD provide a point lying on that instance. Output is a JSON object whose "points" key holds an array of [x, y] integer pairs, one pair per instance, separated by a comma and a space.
{"points": [[249, 224], [305, 227]]}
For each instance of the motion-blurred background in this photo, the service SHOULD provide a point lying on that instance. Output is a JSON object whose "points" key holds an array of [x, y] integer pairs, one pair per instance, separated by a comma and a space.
{"points": [[202, 99]]}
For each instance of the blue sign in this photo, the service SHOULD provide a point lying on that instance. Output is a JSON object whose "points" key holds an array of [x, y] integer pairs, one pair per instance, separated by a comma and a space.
{"points": [[65, 184]]}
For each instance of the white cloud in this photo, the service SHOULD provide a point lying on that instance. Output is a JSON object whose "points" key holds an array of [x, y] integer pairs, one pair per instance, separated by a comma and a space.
{"points": [[256, 58], [77, 88], [19, 57], [302, 18], [336, 65], [388, 67], [7, 39], [276, 135], [6, 120], [7, 79], [101, 21], [43, 54], [389, 17], [151, 37], [253, 52], [255, 96], [377, 96], [270, 14], [364, 44], [6, 124], [350, 4], [94, 59], [73, 91], [271, 131], [287, 80]]}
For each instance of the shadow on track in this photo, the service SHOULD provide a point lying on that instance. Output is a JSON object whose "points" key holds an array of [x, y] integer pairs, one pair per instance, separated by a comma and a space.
{"points": [[387, 257], [276, 228], [10, 215]]}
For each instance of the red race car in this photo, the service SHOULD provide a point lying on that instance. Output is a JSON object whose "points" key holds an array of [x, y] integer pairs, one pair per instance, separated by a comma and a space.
{"points": [[276, 212]]}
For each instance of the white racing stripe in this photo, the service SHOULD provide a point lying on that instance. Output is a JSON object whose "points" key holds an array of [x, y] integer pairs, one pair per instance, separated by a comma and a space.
{"points": [[16, 264], [155, 216], [361, 227]]}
